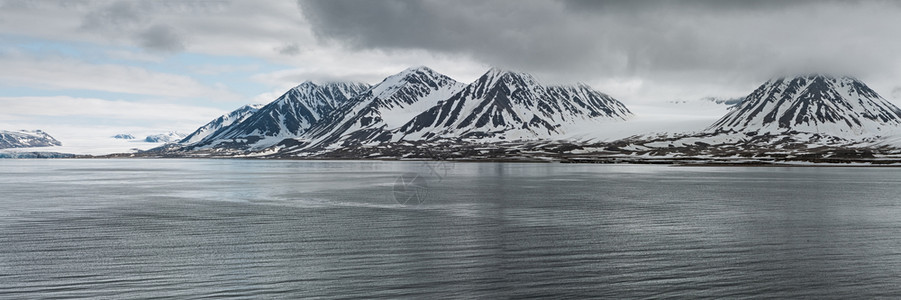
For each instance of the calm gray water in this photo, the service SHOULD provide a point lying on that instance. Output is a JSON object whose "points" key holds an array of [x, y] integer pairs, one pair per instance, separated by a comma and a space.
{"points": [[299, 229]]}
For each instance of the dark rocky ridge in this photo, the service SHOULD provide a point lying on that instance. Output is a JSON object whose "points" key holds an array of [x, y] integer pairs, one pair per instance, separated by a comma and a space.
{"points": [[288, 116], [500, 102], [364, 122]]}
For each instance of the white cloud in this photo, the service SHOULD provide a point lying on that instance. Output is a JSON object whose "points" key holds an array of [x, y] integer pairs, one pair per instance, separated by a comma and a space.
{"points": [[272, 30], [331, 63], [213, 69], [64, 106], [65, 73], [640, 52], [249, 28]]}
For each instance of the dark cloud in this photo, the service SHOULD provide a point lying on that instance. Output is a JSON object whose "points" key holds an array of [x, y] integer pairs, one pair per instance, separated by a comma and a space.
{"points": [[161, 38], [668, 40], [117, 16], [289, 49], [137, 20], [621, 6], [506, 32]]}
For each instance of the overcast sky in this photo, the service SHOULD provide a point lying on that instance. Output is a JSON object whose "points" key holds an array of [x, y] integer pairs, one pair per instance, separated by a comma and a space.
{"points": [[107, 67]]}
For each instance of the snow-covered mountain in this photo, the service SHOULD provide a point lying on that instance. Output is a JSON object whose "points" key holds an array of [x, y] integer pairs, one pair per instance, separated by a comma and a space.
{"points": [[384, 107], [26, 138], [809, 117], [419, 113], [225, 120], [124, 136], [415, 105], [837, 106], [169, 137], [288, 116], [505, 105]]}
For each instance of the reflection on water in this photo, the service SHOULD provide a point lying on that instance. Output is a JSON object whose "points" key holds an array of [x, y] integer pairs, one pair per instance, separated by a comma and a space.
{"points": [[233, 228]]}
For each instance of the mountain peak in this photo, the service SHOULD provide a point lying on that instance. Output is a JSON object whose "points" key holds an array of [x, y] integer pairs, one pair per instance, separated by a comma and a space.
{"points": [[497, 75], [418, 69], [419, 75], [823, 104], [306, 85], [412, 72], [497, 72], [814, 77], [310, 86], [223, 121]]}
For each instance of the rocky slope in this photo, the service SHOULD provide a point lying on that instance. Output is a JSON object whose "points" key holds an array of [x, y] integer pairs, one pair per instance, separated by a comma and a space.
{"points": [[383, 108], [836, 106], [505, 105], [288, 116], [236, 116]]}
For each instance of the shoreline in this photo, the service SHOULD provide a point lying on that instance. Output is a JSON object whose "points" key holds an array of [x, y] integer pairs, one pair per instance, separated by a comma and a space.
{"points": [[676, 162]]}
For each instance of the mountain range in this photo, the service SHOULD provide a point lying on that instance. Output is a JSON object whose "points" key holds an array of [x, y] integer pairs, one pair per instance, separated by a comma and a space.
{"points": [[419, 112], [415, 105]]}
